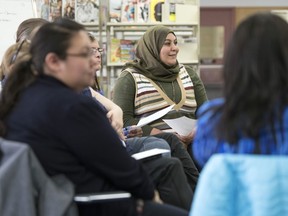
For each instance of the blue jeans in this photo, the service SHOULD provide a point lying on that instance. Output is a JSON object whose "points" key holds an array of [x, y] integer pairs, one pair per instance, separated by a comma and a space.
{"points": [[139, 144]]}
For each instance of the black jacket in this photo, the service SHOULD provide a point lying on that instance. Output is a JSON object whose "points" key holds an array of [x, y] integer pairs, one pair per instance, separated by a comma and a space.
{"points": [[71, 135]]}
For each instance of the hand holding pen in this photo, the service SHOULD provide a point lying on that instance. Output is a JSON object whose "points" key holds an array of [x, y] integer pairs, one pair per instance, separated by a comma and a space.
{"points": [[132, 131]]}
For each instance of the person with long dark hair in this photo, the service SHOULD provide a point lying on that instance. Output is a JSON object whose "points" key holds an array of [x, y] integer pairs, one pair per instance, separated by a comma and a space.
{"points": [[252, 117]]}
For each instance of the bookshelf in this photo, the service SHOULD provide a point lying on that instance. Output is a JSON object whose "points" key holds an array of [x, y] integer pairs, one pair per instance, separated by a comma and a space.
{"points": [[133, 31], [186, 28]]}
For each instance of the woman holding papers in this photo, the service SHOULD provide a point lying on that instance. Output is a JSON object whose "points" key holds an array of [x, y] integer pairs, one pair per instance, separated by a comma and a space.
{"points": [[155, 80], [166, 173], [134, 144]]}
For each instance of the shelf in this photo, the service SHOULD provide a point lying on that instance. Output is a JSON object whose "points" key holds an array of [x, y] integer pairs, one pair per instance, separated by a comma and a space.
{"points": [[111, 24], [187, 31], [211, 66], [120, 64], [92, 27]]}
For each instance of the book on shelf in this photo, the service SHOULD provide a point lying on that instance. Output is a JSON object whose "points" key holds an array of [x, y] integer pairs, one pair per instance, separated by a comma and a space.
{"points": [[69, 9], [168, 11], [87, 11], [127, 50], [142, 11], [165, 11], [156, 10], [115, 51], [128, 10], [172, 12], [55, 9], [42, 9], [115, 11]]}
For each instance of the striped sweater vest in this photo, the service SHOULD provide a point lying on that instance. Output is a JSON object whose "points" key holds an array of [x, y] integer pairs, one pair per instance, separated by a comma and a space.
{"points": [[150, 98]]}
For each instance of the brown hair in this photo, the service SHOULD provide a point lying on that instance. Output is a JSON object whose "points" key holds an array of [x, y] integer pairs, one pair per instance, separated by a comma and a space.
{"points": [[28, 27], [14, 53]]}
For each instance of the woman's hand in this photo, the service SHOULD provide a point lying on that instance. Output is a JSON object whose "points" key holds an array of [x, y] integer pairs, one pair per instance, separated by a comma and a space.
{"points": [[140, 203], [115, 118], [157, 198], [134, 131], [155, 131], [115, 113], [187, 140]]}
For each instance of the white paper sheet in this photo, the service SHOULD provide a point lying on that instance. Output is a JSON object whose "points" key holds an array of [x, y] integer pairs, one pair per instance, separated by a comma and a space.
{"points": [[183, 125], [154, 116], [149, 153]]}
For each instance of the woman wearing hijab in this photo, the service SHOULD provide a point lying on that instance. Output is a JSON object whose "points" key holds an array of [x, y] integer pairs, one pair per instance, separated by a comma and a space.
{"points": [[155, 80]]}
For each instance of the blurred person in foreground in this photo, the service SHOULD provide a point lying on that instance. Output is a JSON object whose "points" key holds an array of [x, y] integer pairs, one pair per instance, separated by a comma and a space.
{"points": [[252, 117]]}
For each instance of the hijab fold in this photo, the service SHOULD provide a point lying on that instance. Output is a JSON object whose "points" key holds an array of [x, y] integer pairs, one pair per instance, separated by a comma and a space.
{"points": [[148, 62]]}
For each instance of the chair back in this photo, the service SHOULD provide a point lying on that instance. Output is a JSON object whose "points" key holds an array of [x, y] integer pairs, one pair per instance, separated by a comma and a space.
{"points": [[25, 188], [241, 185]]}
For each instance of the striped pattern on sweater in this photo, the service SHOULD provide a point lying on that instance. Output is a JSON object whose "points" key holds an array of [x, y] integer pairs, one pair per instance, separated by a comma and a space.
{"points": [[150, 98]]}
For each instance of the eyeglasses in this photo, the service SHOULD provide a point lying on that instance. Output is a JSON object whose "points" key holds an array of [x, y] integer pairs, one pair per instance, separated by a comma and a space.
{"points": [[95, 50], [81, 55], [88, 54], [14, 57]]}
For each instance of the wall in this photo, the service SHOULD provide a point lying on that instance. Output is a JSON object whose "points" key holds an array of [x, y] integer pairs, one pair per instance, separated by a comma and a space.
{"points": [[228, 14], [243, 12], [12, 13], [244, 3]]}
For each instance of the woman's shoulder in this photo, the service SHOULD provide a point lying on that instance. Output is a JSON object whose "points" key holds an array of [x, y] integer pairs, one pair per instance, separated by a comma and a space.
{"points": [[126, 72], [53, 92], [127, 76], [190, 70], [209, 105]]}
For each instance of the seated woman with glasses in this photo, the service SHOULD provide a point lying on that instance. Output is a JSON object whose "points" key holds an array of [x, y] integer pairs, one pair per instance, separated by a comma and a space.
{"points": [[135, 142], [167, 173]]}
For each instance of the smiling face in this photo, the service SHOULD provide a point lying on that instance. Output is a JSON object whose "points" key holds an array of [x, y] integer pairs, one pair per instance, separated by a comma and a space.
{"points": [[169, 50]]}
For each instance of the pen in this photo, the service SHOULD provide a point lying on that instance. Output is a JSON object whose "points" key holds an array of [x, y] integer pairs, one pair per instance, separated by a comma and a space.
{"points": [[126, 130]]}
